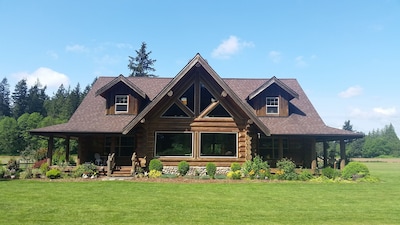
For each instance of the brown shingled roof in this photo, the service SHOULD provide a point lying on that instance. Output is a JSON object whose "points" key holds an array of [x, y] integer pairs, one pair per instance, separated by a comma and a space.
{"points": [[90, 117]]}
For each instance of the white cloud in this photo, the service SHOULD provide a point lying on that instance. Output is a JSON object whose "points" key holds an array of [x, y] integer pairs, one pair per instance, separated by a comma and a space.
{"points": [[47, 77], [351, 92], [375, 113], [385, 112], [76, 48], [300, 62], [275, 56], [230, 47], [52, 54]]}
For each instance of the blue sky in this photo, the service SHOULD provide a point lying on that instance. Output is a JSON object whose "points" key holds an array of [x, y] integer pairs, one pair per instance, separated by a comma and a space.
{"points": [[345, 54]]}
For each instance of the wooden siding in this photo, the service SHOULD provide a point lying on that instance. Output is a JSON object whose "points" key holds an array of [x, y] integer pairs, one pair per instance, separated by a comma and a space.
{"points": [[259, 103], [135, 101]]}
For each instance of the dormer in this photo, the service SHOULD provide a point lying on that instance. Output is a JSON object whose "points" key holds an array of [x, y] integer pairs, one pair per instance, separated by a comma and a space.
{"points": [[122, 97], [272, 98]]}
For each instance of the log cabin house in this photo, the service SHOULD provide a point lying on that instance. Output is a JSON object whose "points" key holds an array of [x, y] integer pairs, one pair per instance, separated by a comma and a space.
{"points": [[199, 117]]}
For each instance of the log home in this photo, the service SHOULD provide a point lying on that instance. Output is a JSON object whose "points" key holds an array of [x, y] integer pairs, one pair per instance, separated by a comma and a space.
{"points": [[197, 116]]}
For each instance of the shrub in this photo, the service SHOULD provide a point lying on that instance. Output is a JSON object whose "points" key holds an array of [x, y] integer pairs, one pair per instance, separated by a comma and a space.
{"points": [[256, 168], [183, 168], [211, 169], [235, 175], [235, 167], [44, 168], [330, 173], [155, 173], [155, 164], [87, 168], [12, 164], [39, 163], [26, 174], [53, 174], [305, 175], [355, 170], [2, 171], [36, 173], [286, 169]]}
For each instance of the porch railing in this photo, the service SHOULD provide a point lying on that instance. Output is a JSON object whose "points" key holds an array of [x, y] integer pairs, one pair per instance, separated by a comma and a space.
{"points": [[110, 164]]}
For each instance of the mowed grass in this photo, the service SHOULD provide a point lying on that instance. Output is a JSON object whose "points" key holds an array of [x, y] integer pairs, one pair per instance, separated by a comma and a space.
{"points": [[230, 202]]}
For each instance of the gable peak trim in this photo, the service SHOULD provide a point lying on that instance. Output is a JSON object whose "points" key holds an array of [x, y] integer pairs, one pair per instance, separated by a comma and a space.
{"points": [[126, 81], [267, 84]]}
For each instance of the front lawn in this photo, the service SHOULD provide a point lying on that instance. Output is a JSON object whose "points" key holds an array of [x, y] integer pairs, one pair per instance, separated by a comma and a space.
{"points": [[225, 202]]}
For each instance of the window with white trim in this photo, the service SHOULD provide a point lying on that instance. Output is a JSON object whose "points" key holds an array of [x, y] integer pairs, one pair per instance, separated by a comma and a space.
{"points": [[272, 105], [121, 103]]}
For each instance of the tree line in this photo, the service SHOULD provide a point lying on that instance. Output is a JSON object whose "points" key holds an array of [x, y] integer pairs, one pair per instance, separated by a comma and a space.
{"points": [[377, 143], [27, 108]]}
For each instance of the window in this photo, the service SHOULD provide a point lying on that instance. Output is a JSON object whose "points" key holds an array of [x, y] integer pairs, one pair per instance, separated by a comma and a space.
{"points": [[272, 105], [121, 103], [123, 145], [173, 144], [218, 144], [174, 111]]}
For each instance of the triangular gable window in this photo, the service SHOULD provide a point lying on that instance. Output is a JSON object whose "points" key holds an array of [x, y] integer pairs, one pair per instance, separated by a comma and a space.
{"points": [[219, 111], [206, 98], [188, 98], [174, 111]]}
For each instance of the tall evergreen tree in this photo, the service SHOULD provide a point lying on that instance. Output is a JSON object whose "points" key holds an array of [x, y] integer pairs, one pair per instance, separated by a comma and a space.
{"points": [[36, 98], [141, 65], [20, 99], [5, 108]]}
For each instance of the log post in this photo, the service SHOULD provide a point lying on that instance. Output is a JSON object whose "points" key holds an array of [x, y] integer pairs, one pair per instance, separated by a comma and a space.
{"points": [[67, 150], [325, 154], [342, 154], [50, 146]]}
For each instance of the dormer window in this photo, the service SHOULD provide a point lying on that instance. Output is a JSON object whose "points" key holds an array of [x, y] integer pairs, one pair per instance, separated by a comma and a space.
{"points": [[272, 105], [121, 103]]}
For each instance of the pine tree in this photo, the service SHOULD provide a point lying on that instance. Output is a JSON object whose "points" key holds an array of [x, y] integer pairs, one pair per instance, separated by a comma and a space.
{"points": [[5, 109], [36, 98], [20, 99], [141, 65]]}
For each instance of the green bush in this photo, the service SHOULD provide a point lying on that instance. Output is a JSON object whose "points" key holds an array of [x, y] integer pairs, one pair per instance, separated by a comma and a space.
{"points": [[183, 168], [330, 173], [211, 169], [305, 175], [2, 171], [26, 174], [155, 164], [286, 169], [44, 168], [256, 168], [355, 170], [53, 174], [235, 167], [87, 168]]}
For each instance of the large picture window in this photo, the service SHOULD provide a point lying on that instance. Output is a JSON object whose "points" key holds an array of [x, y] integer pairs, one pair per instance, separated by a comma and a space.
{"points": [[174, 144], [218, 144]]}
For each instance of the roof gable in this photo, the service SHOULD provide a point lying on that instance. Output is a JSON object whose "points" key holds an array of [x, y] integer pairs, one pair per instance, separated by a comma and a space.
{"points": [[269, 83], [199, 62], [117, 80]]}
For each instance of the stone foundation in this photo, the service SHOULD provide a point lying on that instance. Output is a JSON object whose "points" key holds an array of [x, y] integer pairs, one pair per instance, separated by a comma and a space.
{"points": [[195, 170]]}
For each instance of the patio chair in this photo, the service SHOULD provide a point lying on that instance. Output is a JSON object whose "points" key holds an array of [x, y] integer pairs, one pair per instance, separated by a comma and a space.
{"points": [[97, 159]]}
